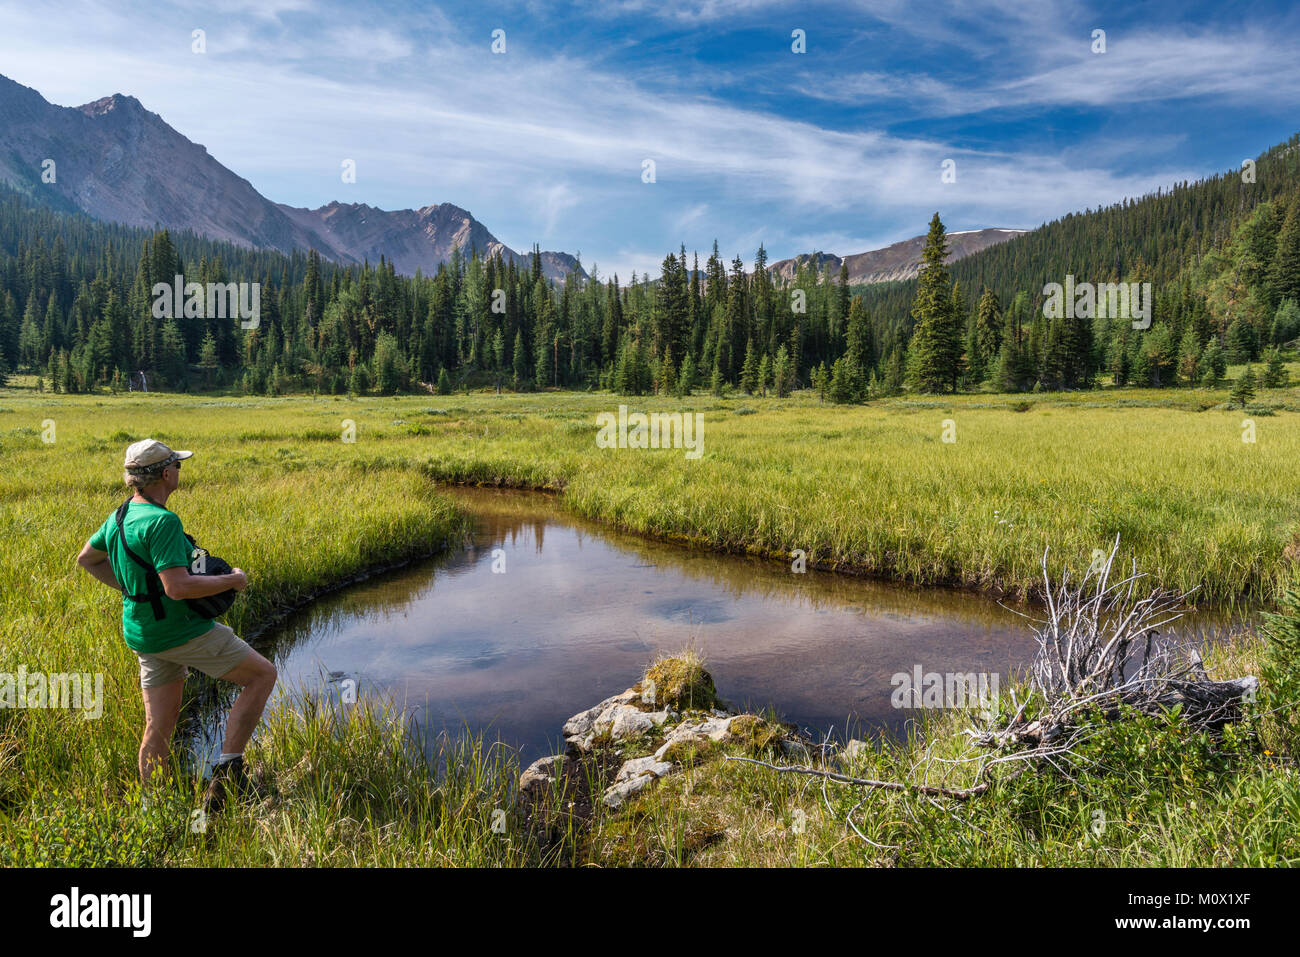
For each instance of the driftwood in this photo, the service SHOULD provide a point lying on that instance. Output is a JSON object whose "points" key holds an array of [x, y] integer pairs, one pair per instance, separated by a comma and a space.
{"points": [[1101, 648], [1100, 651]]}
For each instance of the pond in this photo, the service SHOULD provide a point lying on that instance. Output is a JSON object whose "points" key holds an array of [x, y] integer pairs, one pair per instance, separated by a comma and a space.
{"points": [[544, 614]]}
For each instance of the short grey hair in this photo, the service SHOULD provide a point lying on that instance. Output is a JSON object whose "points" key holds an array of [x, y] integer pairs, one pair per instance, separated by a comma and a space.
{"points": [[143, 478]]}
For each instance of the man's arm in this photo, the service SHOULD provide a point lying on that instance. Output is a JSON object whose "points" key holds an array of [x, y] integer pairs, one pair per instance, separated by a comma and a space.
{"points": [[179, 584], [96, 563]]}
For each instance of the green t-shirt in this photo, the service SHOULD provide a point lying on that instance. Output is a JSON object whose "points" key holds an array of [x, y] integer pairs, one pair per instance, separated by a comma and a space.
{"points": [[155, 534]]}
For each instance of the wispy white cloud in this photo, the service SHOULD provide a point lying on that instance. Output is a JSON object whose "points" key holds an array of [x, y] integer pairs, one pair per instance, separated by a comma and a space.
{"points": [[543, 144], [1139, 67]]}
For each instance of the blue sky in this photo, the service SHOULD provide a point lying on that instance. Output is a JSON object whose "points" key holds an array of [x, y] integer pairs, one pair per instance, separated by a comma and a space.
{"points": [[839, 148]]}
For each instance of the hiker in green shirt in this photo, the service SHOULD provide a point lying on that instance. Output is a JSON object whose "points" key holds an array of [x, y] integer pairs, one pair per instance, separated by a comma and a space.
{"points": [[148, 560]]}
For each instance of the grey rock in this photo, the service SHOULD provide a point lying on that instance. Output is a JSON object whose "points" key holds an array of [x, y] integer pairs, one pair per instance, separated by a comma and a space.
{"points": [[854, 751], [639, 766], [539, 775], [634, 776]]}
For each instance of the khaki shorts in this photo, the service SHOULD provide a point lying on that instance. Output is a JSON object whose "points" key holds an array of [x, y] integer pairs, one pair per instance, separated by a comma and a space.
{"points": [[214, 652]]}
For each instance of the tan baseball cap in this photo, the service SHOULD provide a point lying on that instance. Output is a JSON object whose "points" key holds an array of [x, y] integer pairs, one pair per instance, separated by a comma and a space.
{"points": [[150, 455]]}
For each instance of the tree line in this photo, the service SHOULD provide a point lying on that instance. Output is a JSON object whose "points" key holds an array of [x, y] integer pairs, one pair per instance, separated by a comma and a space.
{"points": [[1223, 255]]}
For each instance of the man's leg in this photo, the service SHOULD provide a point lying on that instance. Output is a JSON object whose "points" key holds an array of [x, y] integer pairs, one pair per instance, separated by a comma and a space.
{"points": [[257, 676], [162, 708]]}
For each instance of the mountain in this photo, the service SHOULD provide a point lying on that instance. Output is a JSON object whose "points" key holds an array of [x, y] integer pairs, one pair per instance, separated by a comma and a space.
{"points": [[413, 238], [902, 260], [116, 161]]}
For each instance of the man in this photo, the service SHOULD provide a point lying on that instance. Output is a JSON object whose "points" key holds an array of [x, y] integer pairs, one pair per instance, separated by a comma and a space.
{"points": [[163, 631]]}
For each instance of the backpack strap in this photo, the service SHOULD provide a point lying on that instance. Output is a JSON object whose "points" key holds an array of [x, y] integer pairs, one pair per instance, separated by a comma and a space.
{"points": [[153, 583]]}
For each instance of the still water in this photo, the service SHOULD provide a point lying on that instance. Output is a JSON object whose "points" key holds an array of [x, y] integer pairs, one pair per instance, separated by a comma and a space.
{"points": [[545, 614]]}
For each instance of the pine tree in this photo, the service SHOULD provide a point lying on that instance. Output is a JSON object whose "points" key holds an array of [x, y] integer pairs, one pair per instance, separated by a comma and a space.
{"points": [[934, 354], [1276, 375], [359, 383], [1242, 344], [988, 333], [686, 379], [520, 360], [782, 373], [444, 382], [858, 345], [208, 361], [749, 371], [1286, 322], [765, 374], [171, 355], [1244, 389], [1157, 358], [1213, 365], [667, 374], [1189, 355]]}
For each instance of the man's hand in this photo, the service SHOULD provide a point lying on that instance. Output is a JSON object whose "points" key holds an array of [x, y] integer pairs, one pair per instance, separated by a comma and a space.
{"points": [[243, 579]]}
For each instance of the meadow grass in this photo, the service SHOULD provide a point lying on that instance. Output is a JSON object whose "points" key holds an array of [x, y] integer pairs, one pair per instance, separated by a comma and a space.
{"points": [[875, 489]]}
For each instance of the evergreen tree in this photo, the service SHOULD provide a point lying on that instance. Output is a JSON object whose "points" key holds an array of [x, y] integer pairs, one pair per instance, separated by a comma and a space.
{"points": [[749, 371], [1242, 344], [1213, 365], [1158, 359], [1276, 375], [686, 380], [988, 333], [444, 382], [765, 374], [667, 374], [1189, 356], [1244, 389], [782, 373], [359, 383], [208, 360], [934, 354], [1286, 322], [520, 360]]}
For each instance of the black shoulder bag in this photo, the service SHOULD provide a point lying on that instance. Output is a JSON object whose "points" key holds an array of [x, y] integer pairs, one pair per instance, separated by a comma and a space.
{"points": [[209, 606]]}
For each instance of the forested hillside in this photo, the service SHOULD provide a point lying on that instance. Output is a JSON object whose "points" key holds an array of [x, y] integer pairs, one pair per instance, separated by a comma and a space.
{"points": [[1223, 255]]}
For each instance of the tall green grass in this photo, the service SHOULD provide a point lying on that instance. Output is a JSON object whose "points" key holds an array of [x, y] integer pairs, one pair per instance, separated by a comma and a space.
{"points": [[275, 489]]}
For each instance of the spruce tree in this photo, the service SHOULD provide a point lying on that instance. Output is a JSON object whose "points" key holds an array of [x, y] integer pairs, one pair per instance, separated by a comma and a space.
{"points": [[934, 354], [764, 374], [749, 371], [520, 360], [1213, 365], [988, 332], [686, 379], [1276, 375], [359, 383], [1189, 356], [1244, 389], [782, 373]]}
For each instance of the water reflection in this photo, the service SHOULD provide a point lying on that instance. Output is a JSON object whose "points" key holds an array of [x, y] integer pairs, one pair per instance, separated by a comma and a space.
{"points": [[545, 614]]}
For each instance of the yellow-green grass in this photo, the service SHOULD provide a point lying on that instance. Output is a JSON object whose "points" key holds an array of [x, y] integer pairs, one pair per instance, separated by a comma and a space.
{"points": [[274, 488]]}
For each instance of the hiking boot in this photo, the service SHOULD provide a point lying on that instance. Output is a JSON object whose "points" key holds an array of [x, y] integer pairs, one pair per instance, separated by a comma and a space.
{"points": [[229, 780]]}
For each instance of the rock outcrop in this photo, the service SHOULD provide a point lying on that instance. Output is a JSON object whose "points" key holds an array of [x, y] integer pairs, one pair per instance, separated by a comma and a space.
{"points": [[642, 716]]}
